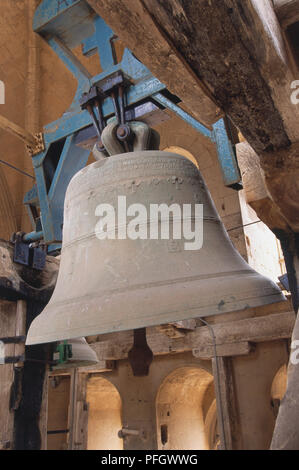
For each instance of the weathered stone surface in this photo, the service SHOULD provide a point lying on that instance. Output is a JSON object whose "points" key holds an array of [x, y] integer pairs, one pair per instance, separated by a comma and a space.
{"points": [[282, 179]]}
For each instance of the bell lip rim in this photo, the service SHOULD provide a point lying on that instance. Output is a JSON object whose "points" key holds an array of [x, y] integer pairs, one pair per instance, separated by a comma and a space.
{"points": [[275, 298]]}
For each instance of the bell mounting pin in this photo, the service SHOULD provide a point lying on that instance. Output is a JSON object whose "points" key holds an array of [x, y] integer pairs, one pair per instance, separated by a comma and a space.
{"points": [[114, 86]]}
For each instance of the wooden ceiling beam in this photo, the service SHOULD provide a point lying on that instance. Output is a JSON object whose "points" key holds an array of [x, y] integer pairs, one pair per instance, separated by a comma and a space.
{"points": [[287, 11]]}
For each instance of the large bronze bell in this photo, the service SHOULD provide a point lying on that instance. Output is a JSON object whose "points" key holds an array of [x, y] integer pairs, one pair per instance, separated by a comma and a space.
{"points": [[109, 285]]}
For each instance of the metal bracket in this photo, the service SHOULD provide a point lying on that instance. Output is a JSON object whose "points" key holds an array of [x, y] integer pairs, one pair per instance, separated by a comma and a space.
{"points": [[11, 340], [64, 25], [21, 252], [28, 254], [38, 257], [12, 359]]}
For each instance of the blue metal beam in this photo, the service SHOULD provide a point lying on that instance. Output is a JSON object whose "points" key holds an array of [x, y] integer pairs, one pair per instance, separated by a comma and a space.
{"points": [[183, 115], [226, 154], [64, 24], [69, 20]]}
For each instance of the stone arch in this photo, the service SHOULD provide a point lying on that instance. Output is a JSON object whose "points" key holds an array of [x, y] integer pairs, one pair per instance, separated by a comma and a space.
{"points": [[104, 416], [184, 152], [182, 408], [211, 427]]}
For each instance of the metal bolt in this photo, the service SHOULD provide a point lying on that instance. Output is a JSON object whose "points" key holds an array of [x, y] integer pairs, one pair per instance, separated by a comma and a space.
{"points": [[121, 132]]}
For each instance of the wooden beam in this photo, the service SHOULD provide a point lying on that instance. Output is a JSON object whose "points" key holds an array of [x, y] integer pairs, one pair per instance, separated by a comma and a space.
{"points": [[243, 62], [72, 407], [102, 366], [17, 131], [252, 330], [43, 416], [242, 348], [80, 423], [287, 11], [177, 329], [8, 325], [226, 402], [24, 386], [30, 418]]}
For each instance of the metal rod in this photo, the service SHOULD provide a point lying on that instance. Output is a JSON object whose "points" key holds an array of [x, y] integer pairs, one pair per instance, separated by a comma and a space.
{"points": [[94, 119], [13, 359], [115, 105], [101, 117], [158, 97], [122, 104], [33, 236], [59, 431], [17, 169], [242, 226]]}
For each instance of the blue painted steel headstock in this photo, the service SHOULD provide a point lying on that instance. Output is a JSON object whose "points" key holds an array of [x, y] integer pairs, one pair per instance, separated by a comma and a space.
{"points": [[64, 24]]}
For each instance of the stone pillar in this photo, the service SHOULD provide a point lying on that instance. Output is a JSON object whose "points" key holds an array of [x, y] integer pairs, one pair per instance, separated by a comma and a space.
{"points": [[226, 403], [138, 408], [253, 377]]}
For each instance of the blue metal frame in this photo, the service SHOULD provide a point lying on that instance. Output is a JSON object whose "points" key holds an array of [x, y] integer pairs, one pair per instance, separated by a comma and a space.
{"points": [[64, 24]]}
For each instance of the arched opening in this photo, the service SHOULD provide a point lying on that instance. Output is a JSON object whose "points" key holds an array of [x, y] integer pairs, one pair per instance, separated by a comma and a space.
{"points": [[104, 417], [186, 411], [184, 152], [278, 389], [210, 417], [211, 427]]}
